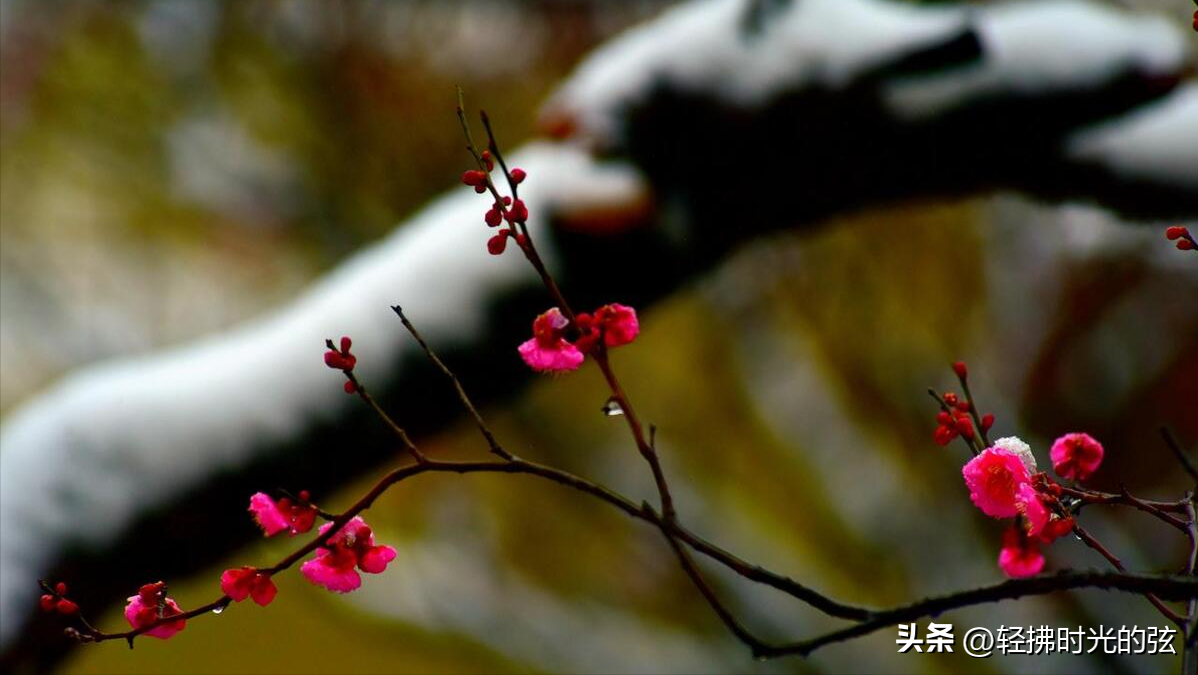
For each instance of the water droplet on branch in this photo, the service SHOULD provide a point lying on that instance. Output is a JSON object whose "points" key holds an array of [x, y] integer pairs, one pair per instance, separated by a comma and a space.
{"points": [[613, 408]]}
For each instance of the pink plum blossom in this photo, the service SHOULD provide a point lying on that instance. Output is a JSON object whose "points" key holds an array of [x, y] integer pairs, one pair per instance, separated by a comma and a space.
{"points": [[352, 546], [142, 611], [1020, 555], [619, 322], [1076, 456], [247, 582], [548, 350], [284, 515], [995, 478]]}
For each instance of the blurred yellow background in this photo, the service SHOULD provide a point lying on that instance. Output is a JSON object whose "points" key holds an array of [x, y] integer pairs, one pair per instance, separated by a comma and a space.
{"points": [[169, 169]]}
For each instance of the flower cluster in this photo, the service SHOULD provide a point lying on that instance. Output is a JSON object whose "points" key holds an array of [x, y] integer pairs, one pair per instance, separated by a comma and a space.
{"points": [[150, 605], [956, 421], [294, 517], [549, 350], [56, 600], [1004, 483], [1181, 235], [511, 210], [351, 547]]}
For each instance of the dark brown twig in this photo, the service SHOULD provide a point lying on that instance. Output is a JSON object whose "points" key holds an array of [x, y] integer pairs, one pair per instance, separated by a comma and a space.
{"points": [[1182, 456], [1189, 629], [1089, 540], [973, 409], [492, 443]]}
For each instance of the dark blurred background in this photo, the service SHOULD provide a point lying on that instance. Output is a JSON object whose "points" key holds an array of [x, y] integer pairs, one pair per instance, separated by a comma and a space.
{"points": [[168, 169]]}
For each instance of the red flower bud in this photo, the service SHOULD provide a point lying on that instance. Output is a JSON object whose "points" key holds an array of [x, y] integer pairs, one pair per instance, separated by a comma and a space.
{"points": [[518, 176], [987, 421], [494, 216], [507, 201], [60, 588], [944, 435], [149, 592], [1175, 232], [339, 361], [350, 387], [475, 178], [67, 608], [480, 189], [518, 213], [47, 603], [960, 369], [963, 406], [496, 244], [950, 399], [1185, 244], [488, 160], [943, 417], [1055, 529]]}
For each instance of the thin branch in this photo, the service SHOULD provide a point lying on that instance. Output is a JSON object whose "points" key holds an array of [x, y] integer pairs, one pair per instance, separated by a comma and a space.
{"points": [[399, 431], [1149, 508], [973, 409], [1089, 540], [759, 648], [638, 432], [1182, 456], [492, 443], [1126, 499], [1189, 631]]}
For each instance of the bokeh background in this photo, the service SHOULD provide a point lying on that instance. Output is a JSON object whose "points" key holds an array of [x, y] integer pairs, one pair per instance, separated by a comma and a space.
{"points": [[169, 169]]}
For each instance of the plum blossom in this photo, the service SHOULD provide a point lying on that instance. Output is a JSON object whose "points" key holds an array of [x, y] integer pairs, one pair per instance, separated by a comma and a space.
{"points": [[284, 515], [1020, 555], [143, 610], [548, 350], [1076, 456], [352, 546], [615, 322], [248, 582], [995, 479]]}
